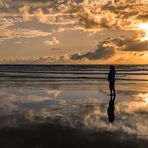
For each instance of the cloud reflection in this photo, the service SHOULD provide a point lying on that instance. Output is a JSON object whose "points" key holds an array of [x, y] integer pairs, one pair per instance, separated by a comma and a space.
{"points": [[20, 106]]}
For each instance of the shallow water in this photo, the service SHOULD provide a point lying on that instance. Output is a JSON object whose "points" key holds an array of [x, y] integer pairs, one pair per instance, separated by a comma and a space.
{"points": [[74, 95]]}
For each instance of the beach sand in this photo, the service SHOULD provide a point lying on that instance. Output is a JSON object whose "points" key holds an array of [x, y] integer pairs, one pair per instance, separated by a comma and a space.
{"points": [[52, 135], [69, 106]]}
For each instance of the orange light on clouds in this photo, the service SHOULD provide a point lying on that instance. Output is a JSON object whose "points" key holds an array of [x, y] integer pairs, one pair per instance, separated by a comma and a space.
{"points": [[144, 27]]}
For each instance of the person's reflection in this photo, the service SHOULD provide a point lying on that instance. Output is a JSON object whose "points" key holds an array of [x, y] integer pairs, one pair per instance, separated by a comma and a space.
{"points": [[110, 110]]}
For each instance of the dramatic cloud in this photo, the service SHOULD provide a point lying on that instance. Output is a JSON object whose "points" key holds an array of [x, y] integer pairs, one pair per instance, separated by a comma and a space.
{"points": [[69, 20], [119, 50], [40, 16], [25, 12], [105, 50], [87, 13], [108, 48], [132, 44]]}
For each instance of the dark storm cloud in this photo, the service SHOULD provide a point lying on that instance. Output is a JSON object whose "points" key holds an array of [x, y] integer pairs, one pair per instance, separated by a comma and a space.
{"points": [[143, 17], [108, 48], [103, 51], [136, 45], [131, 44]]}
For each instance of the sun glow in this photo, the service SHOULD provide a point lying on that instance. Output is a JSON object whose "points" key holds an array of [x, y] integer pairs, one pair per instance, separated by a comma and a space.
{"points": [[146, 98], [144, 27]]}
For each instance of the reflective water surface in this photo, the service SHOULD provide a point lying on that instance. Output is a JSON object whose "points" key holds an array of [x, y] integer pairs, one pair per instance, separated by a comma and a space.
{"points": [[76, 96]]}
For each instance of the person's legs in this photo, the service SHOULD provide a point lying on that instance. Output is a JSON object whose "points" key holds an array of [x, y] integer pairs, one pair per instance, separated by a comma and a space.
{"points": [[112, 88]]}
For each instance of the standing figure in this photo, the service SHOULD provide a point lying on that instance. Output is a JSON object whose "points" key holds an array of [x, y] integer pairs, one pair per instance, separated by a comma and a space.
{"points": [[111, 80]]}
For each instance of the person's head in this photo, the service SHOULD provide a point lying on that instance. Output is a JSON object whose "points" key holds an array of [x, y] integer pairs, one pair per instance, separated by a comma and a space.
{"points": [[112, 67]]}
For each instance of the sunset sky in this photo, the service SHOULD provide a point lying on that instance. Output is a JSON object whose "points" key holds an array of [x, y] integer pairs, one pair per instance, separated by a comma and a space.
{"points": [[74, 31]]}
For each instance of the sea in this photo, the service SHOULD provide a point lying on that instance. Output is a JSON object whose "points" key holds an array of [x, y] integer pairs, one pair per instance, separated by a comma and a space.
{"points": [[75, 95]]}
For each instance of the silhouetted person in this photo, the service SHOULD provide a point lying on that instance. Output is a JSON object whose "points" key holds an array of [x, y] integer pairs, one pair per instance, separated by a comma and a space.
{"points": [[111, 79], [110, 110]]}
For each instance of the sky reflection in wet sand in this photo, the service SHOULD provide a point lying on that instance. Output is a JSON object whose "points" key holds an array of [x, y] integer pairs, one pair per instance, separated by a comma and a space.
{"points": [[76, 105]]}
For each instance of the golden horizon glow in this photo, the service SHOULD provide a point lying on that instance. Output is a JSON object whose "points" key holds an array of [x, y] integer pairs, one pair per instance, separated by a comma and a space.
{"points": [[73, 32], [144, 27], [146, 98]]}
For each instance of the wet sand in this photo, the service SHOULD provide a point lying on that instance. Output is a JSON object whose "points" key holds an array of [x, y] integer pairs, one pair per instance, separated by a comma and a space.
{"points": [[51, 135], [73, 102]]}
